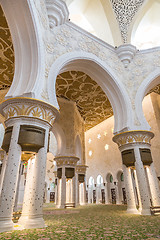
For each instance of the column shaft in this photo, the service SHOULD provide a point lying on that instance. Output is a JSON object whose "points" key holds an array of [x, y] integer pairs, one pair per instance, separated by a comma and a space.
{"points": [[77, 192], [63, 189], [106, 194], [84, 193], [131, 205], [97, 194], [3, 171], [32, 213], [74, 190], [154, 186], [10, 181], [17, 190], [118, 201], [142, 183], [57, 193], [138, 192]]}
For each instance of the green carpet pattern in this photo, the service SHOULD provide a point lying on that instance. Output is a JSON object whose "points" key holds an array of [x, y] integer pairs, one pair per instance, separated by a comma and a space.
{"points": [[91, 222]]}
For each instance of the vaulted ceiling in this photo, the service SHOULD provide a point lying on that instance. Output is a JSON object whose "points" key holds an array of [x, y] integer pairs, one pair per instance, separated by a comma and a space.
{"points": [[91, 101]]}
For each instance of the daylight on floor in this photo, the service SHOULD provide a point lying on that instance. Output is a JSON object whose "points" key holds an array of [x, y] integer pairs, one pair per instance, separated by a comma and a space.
{"points": [[79, 119]]}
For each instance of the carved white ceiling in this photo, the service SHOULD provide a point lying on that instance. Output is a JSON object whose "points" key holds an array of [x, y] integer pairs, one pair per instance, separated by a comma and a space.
{"points": [[125, 11]]}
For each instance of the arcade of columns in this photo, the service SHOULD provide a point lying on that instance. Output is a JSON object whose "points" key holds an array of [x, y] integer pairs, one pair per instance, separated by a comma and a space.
{"points": [[34, 119]]}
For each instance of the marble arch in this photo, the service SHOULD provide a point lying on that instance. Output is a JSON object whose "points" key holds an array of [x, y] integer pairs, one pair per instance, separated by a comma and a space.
{"points": [[28, 48], [119, 172], [103, 75], [78, 148], [148, 83], [61, 139]]}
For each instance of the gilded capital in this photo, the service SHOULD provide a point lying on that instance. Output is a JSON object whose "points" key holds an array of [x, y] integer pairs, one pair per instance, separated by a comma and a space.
{"points": [[81, 169], [66, 160], [137, 136], [28, 107]]}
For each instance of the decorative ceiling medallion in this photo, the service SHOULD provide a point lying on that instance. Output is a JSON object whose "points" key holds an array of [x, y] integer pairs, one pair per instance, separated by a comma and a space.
{"points": [[125, 10], [6, 54], [91, 101]]}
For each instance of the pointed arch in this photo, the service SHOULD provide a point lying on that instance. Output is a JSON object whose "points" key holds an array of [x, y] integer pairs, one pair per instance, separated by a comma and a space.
{"points": [[99, 179], [103, 75], [61, 139], [149, 83], [78, 149]]}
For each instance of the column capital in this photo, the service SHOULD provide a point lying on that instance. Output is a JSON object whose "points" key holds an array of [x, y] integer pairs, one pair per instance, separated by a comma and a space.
{"points": [[81, 169], [133, 137], [28, 107], [66, 161]]}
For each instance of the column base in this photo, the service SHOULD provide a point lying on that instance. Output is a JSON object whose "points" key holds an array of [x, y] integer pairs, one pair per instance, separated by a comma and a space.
{"points": [[83, 204], [6, 226], [146, 212], [61, 206], [28, 223], [133, 211], [140, 210]]}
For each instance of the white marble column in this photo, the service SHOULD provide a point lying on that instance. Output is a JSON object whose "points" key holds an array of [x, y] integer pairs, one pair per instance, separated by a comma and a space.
{"points": [[153, 184], [4, 163], [84, 193], [58, 193], [10, 181], [109, 192], [90, 195], [48, 195], [106, 194], [15, 209], [119, 186], [131, 204], [77, 191], [118, 201], [63, 189], [139, 197], [142, 183], [97, 194], [34, 207], [74, 190], [28, 191]]}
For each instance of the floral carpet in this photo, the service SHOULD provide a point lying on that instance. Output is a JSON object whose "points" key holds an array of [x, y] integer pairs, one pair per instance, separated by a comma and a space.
{"points": [[91, 222]]}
